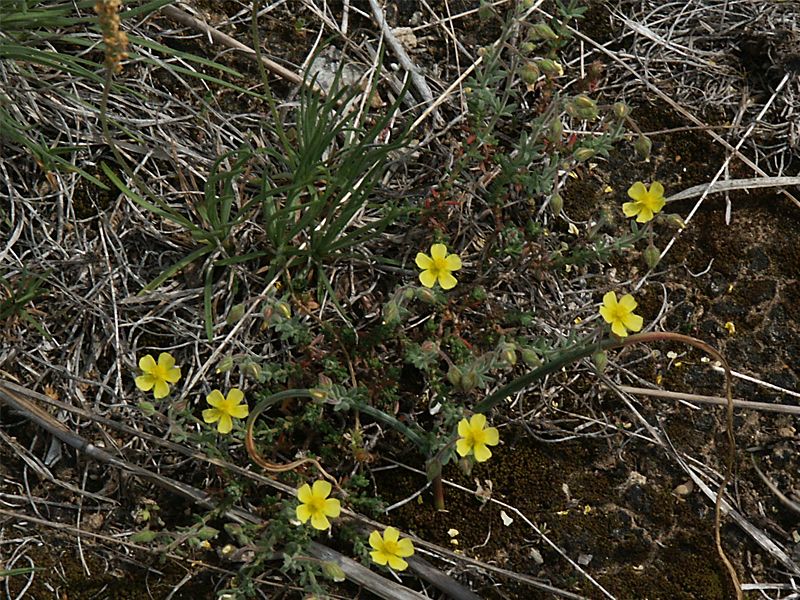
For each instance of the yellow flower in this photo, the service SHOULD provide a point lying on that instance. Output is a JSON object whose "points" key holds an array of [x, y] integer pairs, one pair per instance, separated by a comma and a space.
{"points": [[315, 504], [646, 203], [225, 409], [390, 549], [438, 267], [475, 437], [156, 376], [620, 314]]}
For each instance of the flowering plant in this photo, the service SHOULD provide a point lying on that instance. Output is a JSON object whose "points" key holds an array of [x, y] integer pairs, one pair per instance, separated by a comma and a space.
{"points": [[157, 376], [646, 202], [620, 314], [438, 267], [476, 437], [223, 410], [315, 504], [389, 549]]}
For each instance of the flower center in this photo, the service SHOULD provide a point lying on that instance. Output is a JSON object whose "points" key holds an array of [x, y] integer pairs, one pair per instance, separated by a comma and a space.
{"points": [[316, 504], [439, 265], [620, 313], [390, 547], [159, 373]]}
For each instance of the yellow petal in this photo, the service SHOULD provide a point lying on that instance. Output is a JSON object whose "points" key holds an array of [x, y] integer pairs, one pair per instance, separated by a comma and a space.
{"points": [[404, 548], [173, 375], [160, 389], [463, 428], [656, 189], [225, 424], [319, 521], [645, 215], [391, 534], [304, 493], [438, 251], [423, 261], [463, 447], [211, 415], [145, 382], [303, 513], [378, 557], [332, 508], [427, 278], [446, 280], [633, 322], [610, 300], [491, 436], [215, 399], [627, 302], [619, 329], [397, 563], [376, 541], [631, 209], [147, 363], [165, 361], [607, 314], [453, 262], [478, 421], [235, 396], [321, 489], [240, 411], [482, 453], [637, 191]]}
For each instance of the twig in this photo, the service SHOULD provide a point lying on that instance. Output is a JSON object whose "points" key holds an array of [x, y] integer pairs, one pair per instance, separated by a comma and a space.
{"points": [[716, 400], [734, 184], [22, 399], [791, 504], [405, 61], [226, 40]]}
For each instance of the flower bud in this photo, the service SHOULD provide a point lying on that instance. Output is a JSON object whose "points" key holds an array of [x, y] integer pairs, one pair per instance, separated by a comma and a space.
{"points": [[556, 204], [675, 221], [542, 31], [318, 394], [408, 293], [469, 380], [530, 357], [252, 370], [527, 48], [508, 354], [583, 107], [429, 347], [651, 255], [207, 533], [529, 72], [235, 314], [285, 310], [583, 101], [454, 376], [391, 313], [333, 571], [551, 68], [621, 110], [643, 145], [583, 154], [600, 360], [554, 131], [226, 364], [425, 295]]}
